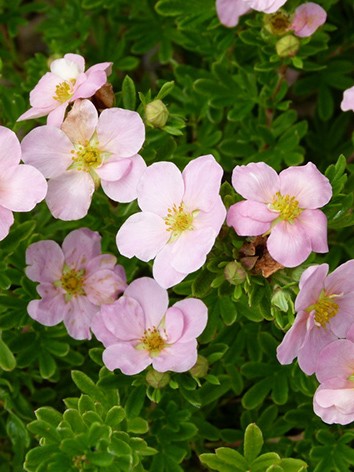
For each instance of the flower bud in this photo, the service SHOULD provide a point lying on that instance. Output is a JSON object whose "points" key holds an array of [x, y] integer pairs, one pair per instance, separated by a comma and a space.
{"points": [[287, 46], [278, 23], [234, 273], [157, 379], [156, 114], [200, 368]]}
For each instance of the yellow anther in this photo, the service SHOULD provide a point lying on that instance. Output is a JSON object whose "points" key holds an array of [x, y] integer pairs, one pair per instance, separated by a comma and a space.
{"points": [[325, 309], [64, 91], [153, 341], [287, 206], [178, 220]]}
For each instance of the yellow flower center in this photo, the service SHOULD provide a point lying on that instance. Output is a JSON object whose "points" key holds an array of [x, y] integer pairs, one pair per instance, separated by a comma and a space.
{"points": [[72, 282], [287, 206], [64, 91], [86, 158], [325, 309], [152, 341], [178, 220]]}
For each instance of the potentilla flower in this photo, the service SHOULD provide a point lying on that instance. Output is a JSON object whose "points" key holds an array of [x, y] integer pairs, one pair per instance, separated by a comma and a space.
{"points": [[334, 399], [21, 186], [87, 150], [139, 329], [229, 11], [66, 82], [347, 103], [74, 281], [285, 206], [181, 216], [325, 313], [307, 18]]}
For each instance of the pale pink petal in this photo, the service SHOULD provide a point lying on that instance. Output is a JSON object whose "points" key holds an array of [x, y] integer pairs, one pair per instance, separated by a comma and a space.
{"points": [[314, 225], [256, 181], [190, 249], [114, 169], [68, 67], [288, 244], [160, 188], [348, 100], [173, 325], [6, 220], [343, 320], [336, 361], [45, 261], [79, 317], [178, 357], [293, 340], [123, 320], [213, 218], [89, 87], [105, 66], [22, 187], [42, 96], [80, 246], [100, 262], [249, 218], [124, 189], [48, 311], [69, 195], [309, 355], [121, 132], [311, 285], [77, 59], [163, 272], [56, 116], [48, 149], [152, 298], [306, 183], [350, 333], [195, 316], [334, 405], [81, 122], [34, 113], [308, 17], [202, 179], [229, 11], [341, 279], [102, 287], [266, 6], [10, 149], [125, 357], [49, 290], [142, 235]]}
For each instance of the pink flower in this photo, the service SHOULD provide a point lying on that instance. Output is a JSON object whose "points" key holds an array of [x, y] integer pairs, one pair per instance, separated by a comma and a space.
{"points": [[229, 11], [181, 216], [86, 150], [139, 329], [334, 398], [284, 205], [348, 100], [324, 308], [74, 281], [308, 17], [21, 186], [65, 83]]}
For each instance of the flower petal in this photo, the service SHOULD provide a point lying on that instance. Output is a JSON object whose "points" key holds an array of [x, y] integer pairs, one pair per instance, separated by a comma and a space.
{"points": [[69, 195], [293, 340], [80, 246], [266, 6], [309, 357], [42, 94], [347, 103], [288, 244], [308, 17], [229, 11], [6, 220], [256, 181], [10, 148], [178, 357], [195, 316], [311, 285], [81, 122], [48, 311], [125, 357], [163, 272], [115, 169], [249, 218], [102, 287], [45, 261], [214, 218], [314, 225], [336, 361], [341, 279], [334, 405], [306, 183], [79, 317], [173, 324], [161, 186], [56, 116], [68, 67]]}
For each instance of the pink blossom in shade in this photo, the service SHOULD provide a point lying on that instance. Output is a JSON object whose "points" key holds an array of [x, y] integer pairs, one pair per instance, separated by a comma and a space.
{"points": [[307, 18], [285, 206], [265, 6], [325, 313], [229, 11], [86, 151], [139, 329], [21, 186], [66, 82], [181, 216], [334, 398], [347, 103], [74, 281]]}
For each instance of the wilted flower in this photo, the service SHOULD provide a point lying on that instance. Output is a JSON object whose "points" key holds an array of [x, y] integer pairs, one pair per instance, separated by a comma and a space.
{"points": [[324, 308], [74, 281], [87, 150], [307, 18], [66, 82], [181, 216], [139, 329], [334, 398], [21, 186], [285, 206]]}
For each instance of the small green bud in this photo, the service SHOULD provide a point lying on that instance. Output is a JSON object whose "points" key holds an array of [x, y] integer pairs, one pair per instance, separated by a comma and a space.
{"points": [[234, 273], [287, 46], [277, 23], [156, 114], [157, 379], [200, 368]]}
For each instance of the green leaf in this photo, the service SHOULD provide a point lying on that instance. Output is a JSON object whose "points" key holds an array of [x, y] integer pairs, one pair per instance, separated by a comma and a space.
{"points": [[7, 359], [115, 416], [49, 414], [137, 425], [253, 442], [128, 93], [165, 90], [264, 461], [256, 394]]}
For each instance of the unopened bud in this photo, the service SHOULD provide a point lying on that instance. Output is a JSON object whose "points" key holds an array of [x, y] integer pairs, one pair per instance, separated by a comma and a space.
{"points": [[156, 114], [200, 368], [287, 46], [234, 273], [157, 379]]}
